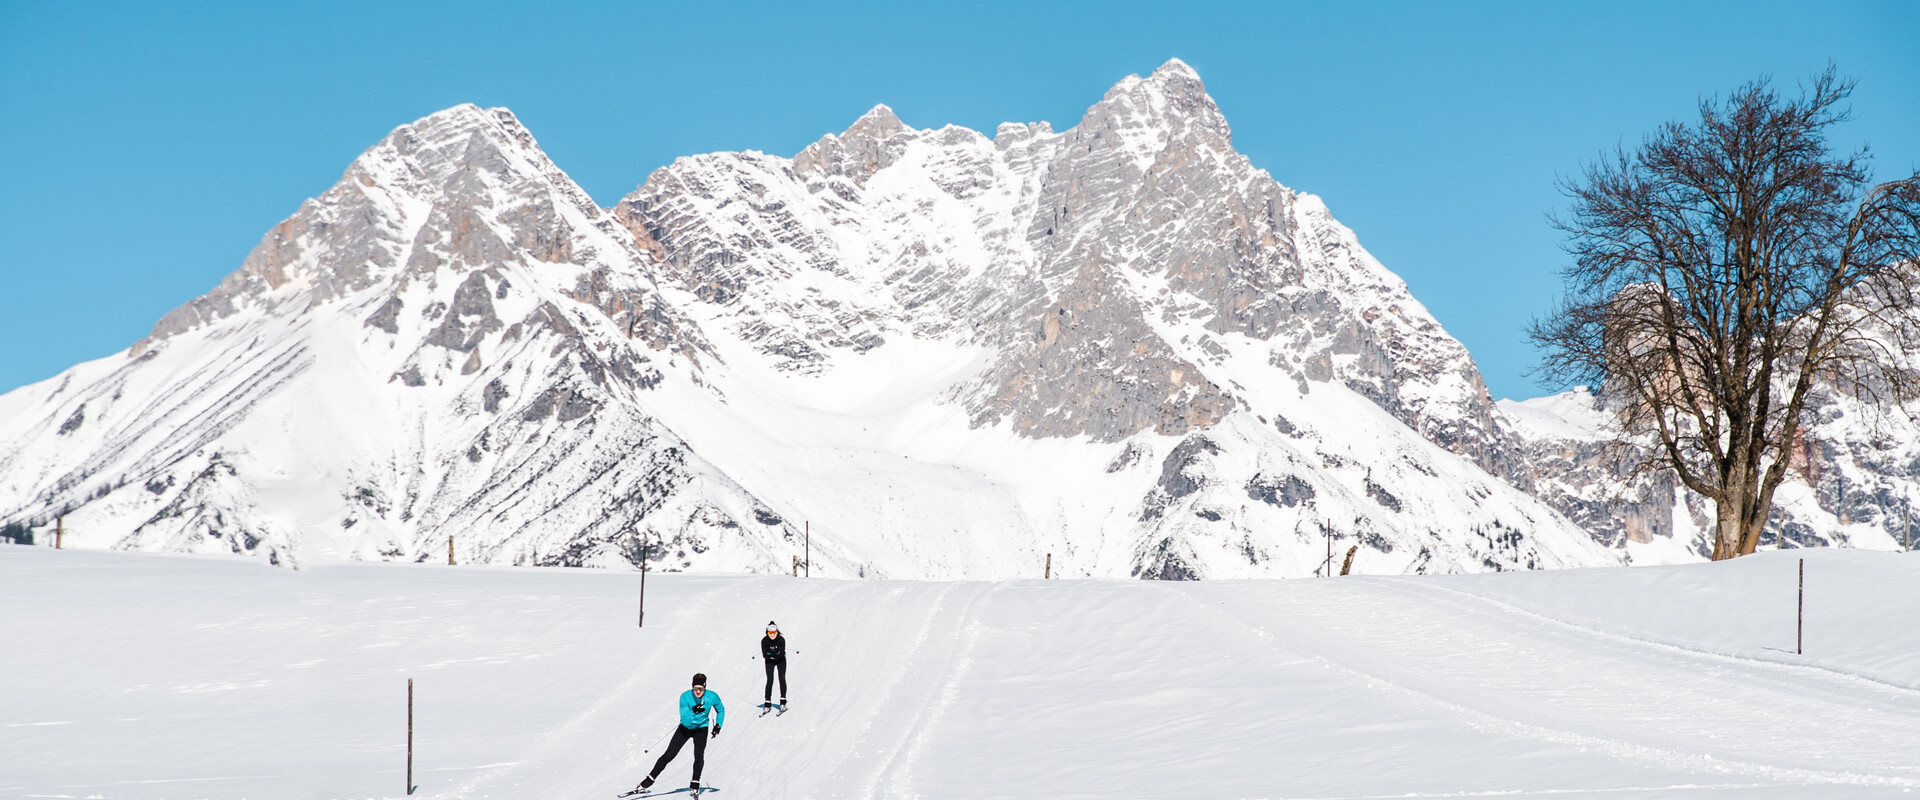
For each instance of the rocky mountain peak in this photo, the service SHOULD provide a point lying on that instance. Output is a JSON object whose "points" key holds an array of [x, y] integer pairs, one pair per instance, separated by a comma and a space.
{"points": [[463, 151], [867, 146], [1171, 104], [1176, 77], [457, 122], [878, 124], [464, 186]]}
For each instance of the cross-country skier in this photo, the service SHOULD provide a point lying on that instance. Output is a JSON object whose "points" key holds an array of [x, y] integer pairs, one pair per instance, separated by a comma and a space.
{"points": [[696, 705], [773, 650]]}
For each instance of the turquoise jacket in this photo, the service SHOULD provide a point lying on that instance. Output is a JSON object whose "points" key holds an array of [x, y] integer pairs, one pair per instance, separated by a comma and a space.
{"points": [[689, 718]]}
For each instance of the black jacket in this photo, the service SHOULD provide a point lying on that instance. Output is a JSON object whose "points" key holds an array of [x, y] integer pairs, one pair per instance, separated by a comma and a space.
{"points": [[774, 648]]}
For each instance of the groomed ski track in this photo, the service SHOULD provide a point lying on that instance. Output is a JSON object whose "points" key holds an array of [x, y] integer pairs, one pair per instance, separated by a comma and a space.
{"points": [[139, 676]]}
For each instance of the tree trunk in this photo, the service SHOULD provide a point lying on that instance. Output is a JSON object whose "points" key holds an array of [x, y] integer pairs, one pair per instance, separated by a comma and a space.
{"points": [[1730, 509], [1740, 513], [1756, 522], [1726, 530]]}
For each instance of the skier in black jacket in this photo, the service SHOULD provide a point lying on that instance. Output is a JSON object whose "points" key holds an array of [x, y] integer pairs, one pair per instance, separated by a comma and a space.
{"points": [[773, 650]]}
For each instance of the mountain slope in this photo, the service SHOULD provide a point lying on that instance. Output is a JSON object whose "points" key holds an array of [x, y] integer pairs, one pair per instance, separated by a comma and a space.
{"points": [[1169, 365]]}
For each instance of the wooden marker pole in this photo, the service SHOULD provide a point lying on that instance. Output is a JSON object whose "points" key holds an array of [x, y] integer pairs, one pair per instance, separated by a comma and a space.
{"points": [[644, 546], [409, 736], [1049, 573], [449, 551], [1800, 618], [1327, 568], [59, 530]]}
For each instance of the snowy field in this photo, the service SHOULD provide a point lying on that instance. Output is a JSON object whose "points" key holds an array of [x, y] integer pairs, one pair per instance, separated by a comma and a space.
{"points": [[144, 676]]}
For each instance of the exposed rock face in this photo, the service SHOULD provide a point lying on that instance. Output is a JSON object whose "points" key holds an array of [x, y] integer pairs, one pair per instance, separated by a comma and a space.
{"points": [[1854, 478], [871, 144], [1070, 255]]}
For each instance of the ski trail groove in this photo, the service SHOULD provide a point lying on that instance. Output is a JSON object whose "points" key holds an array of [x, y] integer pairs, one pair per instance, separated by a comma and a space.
{"points": [[899, 765]]}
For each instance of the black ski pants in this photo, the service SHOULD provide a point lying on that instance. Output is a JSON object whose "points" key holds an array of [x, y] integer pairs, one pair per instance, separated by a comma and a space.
{"points": [[681, 734], [773, 665]]}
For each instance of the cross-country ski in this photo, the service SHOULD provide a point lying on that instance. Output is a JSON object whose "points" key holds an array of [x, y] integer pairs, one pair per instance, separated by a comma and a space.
{"points": [[664, 792]]}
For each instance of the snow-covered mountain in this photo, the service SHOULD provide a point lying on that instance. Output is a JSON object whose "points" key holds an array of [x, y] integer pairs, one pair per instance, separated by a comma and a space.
{"points": [[449, 343], [929, 353]]}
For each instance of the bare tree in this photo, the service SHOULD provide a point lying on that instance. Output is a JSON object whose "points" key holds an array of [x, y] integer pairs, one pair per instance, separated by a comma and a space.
{"points": [[1722, 271]]}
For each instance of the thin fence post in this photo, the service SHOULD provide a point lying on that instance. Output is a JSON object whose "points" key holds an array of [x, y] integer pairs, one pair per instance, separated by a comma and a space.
{"points": [[449, 551], [1048, 575], [59, 530], [1800, 615], [644, 546], [409, 736]]}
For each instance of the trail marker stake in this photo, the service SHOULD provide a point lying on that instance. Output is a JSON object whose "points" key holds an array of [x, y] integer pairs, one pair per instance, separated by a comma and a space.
{"points": [[449, 551], [1048, 575], [644, 552], [59, 530], [409, 736], [1800, 618]]}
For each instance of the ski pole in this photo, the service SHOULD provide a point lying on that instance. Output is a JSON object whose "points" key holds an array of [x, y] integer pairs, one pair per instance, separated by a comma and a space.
{"points": [[656, 742]]}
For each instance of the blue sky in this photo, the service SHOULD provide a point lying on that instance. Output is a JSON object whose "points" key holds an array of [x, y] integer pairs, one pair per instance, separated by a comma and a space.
{"points": [[150, 146]]}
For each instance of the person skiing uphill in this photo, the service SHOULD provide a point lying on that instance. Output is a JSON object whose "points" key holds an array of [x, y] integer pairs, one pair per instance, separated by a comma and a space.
{"points": [[773, 651], [697, 705]]}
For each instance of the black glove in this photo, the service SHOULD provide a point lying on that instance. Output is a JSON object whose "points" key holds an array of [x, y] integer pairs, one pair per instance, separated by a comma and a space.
{"points": [[716, 731]]}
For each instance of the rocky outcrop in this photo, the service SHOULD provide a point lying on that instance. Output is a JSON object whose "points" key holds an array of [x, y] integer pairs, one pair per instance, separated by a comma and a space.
{"points": [[1854, 476]]}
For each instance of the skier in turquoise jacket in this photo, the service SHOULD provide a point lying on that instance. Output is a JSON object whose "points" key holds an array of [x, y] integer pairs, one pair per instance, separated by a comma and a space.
{"points": [[697, 706]]}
